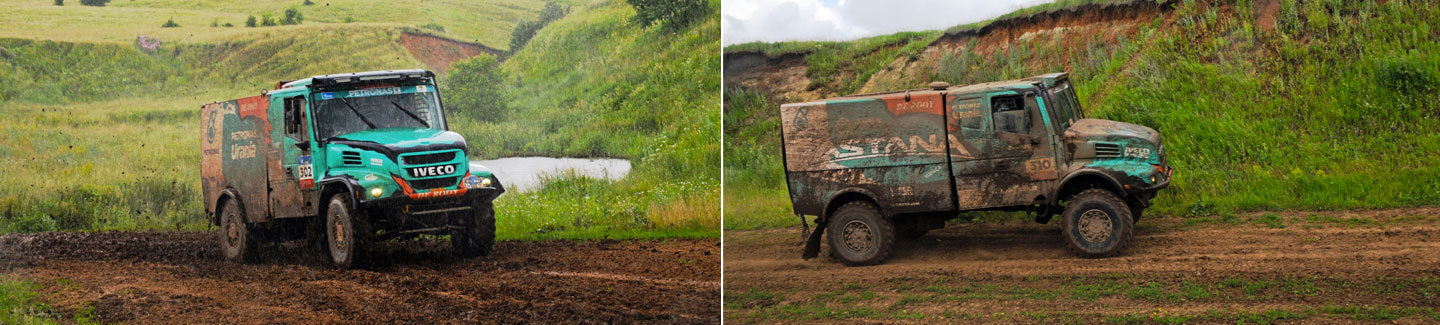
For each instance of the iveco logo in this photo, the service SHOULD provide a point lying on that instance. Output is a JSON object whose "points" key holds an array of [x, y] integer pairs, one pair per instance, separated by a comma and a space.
{"points": [[432, 171]]}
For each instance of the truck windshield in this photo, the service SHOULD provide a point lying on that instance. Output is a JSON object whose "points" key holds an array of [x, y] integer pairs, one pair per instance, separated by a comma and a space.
{"points": [[1067, 106], [345, 111]]}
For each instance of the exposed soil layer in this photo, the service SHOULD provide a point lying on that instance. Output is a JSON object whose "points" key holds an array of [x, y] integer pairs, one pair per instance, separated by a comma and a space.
{"points": [[1293, 261], [172, 277], [438, 53]]}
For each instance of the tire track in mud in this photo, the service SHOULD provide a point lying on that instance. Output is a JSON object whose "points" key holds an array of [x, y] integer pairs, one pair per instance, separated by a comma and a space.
{"points": [[1389, 259], [166, 277]]}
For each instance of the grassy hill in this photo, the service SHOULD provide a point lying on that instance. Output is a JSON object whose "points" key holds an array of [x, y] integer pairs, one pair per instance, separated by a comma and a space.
{"points": [[485, 21], [98, 133], [1263, 104]]}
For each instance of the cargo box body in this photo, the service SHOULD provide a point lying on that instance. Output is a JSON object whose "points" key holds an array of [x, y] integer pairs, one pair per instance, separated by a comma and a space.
{"points": [[236, 141]]}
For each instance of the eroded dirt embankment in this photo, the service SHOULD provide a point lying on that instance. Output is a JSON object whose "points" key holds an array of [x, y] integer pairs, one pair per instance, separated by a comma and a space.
{"points": [[170, 277], [1292, 261], [785, 76], [438, 53]]}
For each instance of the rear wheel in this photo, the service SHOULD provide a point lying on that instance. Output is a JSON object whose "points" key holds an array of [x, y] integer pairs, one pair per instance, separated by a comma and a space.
{"points": [[1098, 223], [237, 238], [346, 234], [859, 235], [478, 237]]}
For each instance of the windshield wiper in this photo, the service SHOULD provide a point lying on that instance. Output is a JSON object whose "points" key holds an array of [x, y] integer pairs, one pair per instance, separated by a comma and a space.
{"points": [[357, 112], [412, 115]]}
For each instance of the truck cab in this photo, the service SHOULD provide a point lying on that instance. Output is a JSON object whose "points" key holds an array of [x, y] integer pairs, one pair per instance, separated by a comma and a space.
{"points": [[876, 167], [343, 160]]}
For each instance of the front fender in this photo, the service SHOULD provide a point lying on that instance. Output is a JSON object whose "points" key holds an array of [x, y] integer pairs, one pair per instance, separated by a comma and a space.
{"points": [[476, 169]]}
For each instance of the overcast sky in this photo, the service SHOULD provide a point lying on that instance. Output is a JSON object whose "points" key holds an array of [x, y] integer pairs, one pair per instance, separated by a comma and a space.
{"points": [[837, 20]]}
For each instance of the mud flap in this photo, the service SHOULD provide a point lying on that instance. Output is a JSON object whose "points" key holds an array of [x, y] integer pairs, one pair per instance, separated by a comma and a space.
{"points": [[812, 243]]}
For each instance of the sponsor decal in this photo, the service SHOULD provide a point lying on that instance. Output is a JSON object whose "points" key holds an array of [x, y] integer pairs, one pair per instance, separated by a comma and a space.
{"points": [[306, 172], [1137, 152], [421, 89], [377, 162], [432, 171], [437, 193], [327, 95]]}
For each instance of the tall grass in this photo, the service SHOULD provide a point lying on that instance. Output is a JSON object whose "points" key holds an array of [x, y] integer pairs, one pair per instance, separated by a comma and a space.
{"points": [[1312, 115]]}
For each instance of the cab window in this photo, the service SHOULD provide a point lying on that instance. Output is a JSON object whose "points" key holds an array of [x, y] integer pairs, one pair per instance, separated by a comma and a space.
{"points": [[1009, 114], [294, 106]]}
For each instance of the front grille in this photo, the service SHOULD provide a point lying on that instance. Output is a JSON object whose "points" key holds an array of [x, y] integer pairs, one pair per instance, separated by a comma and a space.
{"points": [[350, 158], [1107, 150], [425, 184], [429, 158]]}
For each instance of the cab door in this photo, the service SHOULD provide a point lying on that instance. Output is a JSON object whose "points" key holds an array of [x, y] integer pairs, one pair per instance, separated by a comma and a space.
{"points": [[292, 186], [998, 157]]}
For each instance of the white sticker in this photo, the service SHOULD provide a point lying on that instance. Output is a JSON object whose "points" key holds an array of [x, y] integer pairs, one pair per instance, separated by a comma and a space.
{"points": [[421, 89], [377, 162]]}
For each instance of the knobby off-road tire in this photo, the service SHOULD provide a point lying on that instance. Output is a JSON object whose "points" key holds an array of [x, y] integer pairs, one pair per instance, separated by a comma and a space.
{"points": [[859, 235], [347, 234], [237, 238], [1098, 223], [478, 237]]}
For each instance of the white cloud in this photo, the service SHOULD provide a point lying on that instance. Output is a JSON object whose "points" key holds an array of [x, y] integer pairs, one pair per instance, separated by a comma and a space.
{"points": [[787, 20]]}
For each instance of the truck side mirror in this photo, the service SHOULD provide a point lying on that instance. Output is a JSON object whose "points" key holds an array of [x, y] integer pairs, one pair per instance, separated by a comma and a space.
{"points": [[303, 145]]}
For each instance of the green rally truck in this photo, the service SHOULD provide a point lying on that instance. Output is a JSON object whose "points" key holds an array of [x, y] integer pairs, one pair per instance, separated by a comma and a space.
{"points": [[875, 167], [343, 160]]}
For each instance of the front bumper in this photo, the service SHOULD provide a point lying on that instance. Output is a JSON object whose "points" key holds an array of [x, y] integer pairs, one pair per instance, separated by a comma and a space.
{"points": [[405, 214]]}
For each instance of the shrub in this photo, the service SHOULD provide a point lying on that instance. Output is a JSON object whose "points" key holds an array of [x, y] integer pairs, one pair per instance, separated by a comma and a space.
{"points": [[170, 23], [673, 13], [213, 23], [94, 3], [293, 17], [477, 88], [59, 2], [250, 22], [309, 3], [266, 20], [433, 26], [526, 29], [1408, 76], [228, 25]]}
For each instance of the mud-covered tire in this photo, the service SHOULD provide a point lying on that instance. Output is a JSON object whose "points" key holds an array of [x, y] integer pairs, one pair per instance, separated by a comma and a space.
{"points": [[346, 233], [478, 237], [1097, 223], [236, 237], [859, 235]]}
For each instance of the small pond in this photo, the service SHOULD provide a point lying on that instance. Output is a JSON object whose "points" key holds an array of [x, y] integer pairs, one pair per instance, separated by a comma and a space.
{"points": [[520, 174]]}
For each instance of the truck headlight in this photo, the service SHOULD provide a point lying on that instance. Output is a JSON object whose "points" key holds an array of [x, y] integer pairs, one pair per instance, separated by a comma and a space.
{"points": [[376, 192], [476, 182]]}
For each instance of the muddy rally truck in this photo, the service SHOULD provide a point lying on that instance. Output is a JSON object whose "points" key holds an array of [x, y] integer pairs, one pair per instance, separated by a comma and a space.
{"points": [[343, 160], [875, 167]]}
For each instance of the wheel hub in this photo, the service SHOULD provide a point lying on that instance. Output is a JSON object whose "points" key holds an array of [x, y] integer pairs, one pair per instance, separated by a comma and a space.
{"points": [[232, 232], [339, 235], [1095, 225], [857, 236]]}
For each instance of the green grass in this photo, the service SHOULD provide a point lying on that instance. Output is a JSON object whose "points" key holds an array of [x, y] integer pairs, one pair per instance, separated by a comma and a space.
{"points": [[19, 304], [485, 21], [1313, 115]]}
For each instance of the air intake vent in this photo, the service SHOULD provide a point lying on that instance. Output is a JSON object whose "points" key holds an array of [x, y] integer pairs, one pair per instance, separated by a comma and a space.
{"points": [[429, 158], [1107, 150], [350, 158]]}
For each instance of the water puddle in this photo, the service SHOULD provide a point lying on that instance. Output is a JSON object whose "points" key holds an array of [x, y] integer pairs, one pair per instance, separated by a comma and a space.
{"points": [[521, 174]]}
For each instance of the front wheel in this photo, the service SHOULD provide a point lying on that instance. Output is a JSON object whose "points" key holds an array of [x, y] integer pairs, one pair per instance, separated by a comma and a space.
{"points": [[478, 237], [1098, 223], [859, 235], [346, 234]]}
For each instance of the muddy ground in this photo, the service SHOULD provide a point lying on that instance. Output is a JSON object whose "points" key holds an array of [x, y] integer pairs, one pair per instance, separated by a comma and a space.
{"points": [[179, 277], [1260, 267]]}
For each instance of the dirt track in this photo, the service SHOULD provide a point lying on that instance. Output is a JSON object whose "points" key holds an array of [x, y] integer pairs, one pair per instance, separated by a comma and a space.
{"points": [[1318, 268], [172, 277]]}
